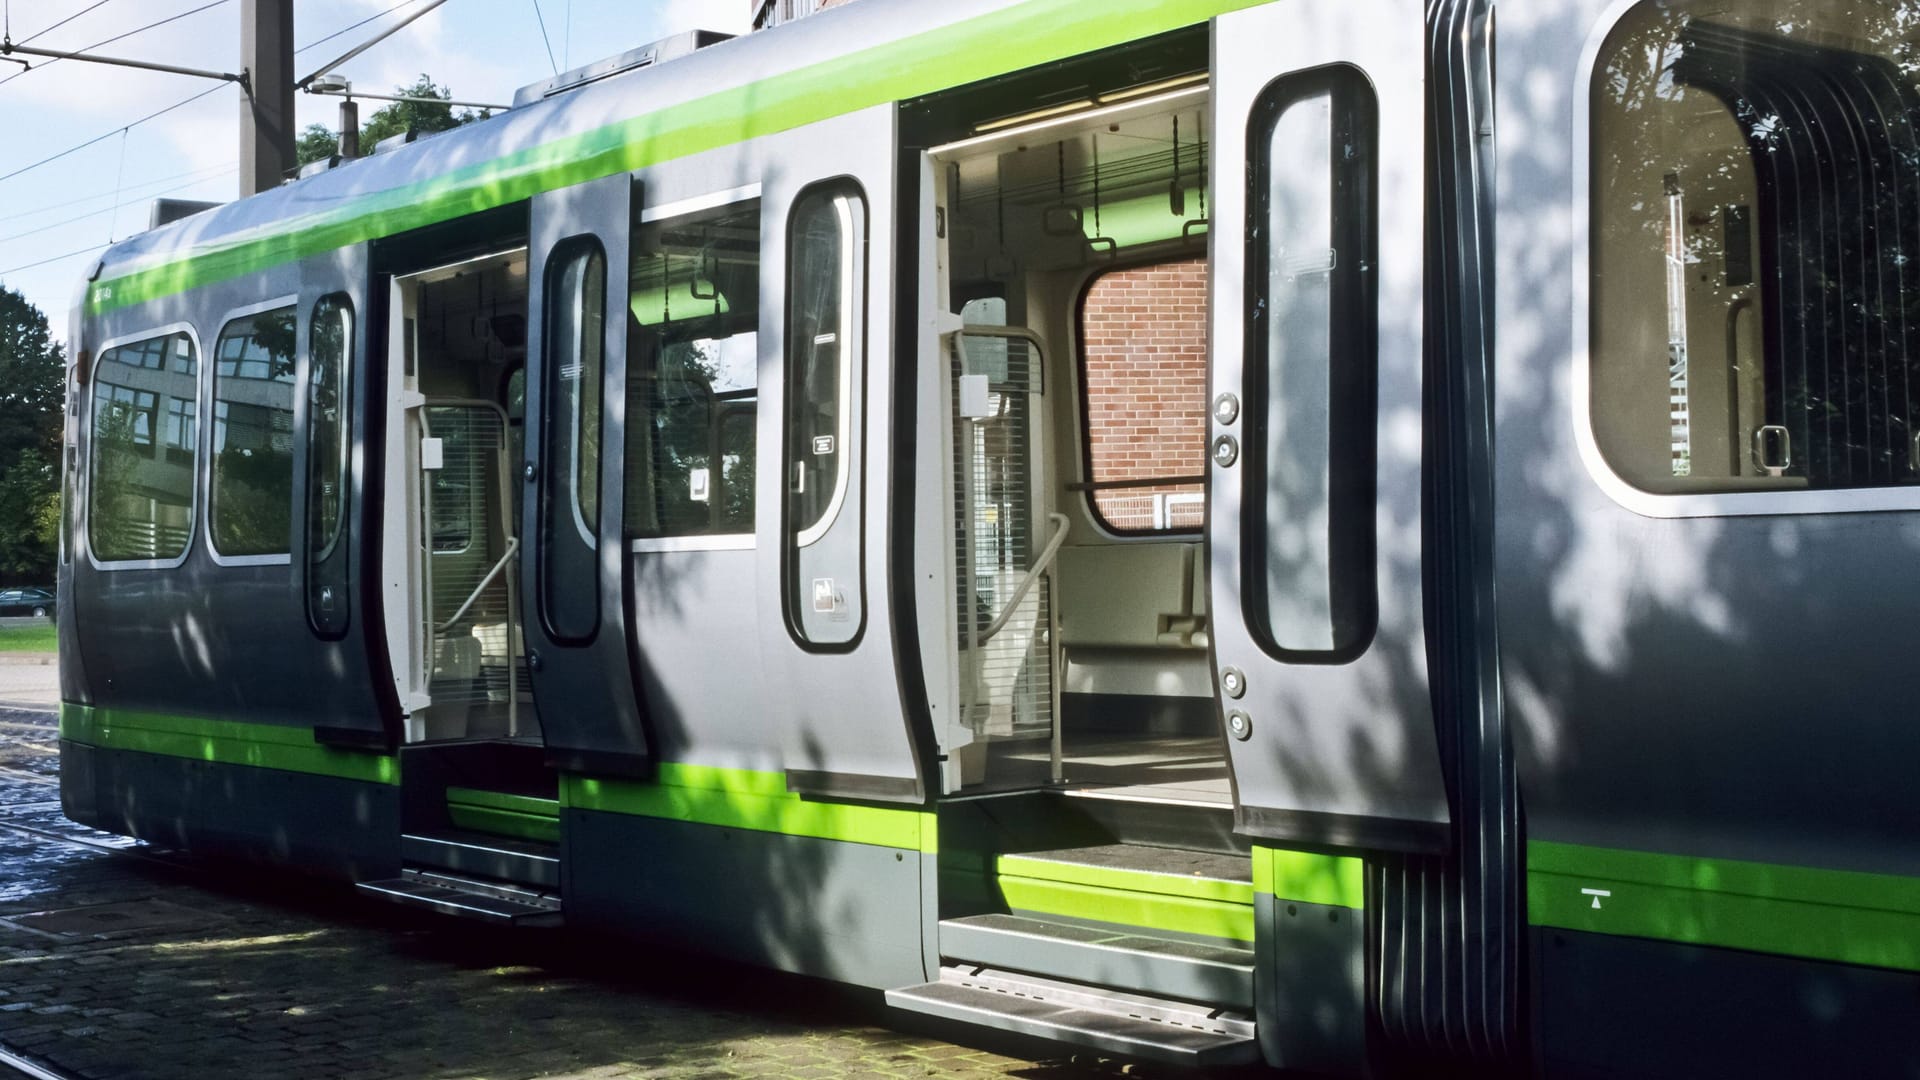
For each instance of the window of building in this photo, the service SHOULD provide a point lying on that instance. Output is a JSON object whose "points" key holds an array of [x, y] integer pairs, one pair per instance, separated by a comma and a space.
{"points": [[140, 501], [1143, 377], [1755, 213], [250, 501], [693, 374]]}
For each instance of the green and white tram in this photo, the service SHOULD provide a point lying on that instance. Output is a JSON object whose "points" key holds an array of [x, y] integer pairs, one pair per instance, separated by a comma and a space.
{"points": [[1243, 557]]}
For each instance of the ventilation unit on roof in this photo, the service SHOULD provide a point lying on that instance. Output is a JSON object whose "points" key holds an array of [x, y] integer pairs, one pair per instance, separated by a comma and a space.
{"points": [[653, 55], [168, 211]]}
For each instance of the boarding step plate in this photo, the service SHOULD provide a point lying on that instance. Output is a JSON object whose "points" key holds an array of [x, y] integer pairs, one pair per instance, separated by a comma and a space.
{"points": [[451, 894], [1215, 973], [530, 863], [1152, 1028]]}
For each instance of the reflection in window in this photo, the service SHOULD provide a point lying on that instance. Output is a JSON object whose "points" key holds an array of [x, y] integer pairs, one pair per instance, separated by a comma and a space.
{"points": [[330, 356], [1755, 212], [140, 501], [1143, 340], [822, 300], [251, 497], [693, 362]]}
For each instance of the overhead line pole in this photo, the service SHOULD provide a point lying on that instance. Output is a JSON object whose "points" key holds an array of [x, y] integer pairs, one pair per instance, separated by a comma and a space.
{"points": [[266, 117]]}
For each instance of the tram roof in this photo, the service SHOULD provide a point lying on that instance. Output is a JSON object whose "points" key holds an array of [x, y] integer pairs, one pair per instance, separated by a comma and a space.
{"points": [[837, 62]]}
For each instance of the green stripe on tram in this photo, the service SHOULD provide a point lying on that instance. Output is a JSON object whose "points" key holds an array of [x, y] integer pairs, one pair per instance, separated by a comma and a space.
{"points": [[1311, 878], [1029, 34], [1839, 915], [749, 799], [227, 742]]}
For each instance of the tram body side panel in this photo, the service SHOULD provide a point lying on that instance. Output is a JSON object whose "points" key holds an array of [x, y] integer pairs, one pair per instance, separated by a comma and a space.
{"points": [[199, 674], [1713, 713]]}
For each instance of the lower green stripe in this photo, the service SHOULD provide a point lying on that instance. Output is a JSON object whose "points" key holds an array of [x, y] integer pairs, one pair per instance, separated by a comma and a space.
{"points": [[1311, 878], [1149, 911], [748, 799], [1851, 917], [497, 822], [227, 742]]}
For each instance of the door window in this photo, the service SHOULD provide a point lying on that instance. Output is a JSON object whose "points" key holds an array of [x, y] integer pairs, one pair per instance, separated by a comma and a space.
{"points": [[1311, 367], [576, 348], [251, 495]]}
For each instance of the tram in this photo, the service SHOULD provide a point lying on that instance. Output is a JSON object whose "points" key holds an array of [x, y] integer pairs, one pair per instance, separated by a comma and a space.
{"points": [[1272, 537]]}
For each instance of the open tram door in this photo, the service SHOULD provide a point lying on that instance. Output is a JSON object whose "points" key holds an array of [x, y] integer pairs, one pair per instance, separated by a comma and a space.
{"points": [[1315, 445], [578, 656]]}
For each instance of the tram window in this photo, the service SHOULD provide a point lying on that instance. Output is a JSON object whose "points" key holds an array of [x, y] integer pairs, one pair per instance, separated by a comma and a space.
{"points": [[576, 337], [250, 507], [1311, 368], [692, 384], [330, 356], [1143, 380], [826, 294], [1755, 213], [140, 495]]}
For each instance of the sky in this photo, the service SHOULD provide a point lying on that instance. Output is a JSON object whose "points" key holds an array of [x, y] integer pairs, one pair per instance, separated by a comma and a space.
{"points": [[60, 215]]}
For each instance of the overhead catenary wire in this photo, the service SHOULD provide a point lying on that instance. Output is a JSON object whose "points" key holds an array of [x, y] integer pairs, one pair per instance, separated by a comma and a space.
{"points": [[316, 43], [110, 134], [215, 170], [119, 37], [51, 259], [542, 19], [222, 172], [50, 29]]}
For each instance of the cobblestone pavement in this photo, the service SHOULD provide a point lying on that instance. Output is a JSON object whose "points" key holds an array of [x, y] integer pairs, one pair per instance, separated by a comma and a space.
{"points": [[119, 961]]}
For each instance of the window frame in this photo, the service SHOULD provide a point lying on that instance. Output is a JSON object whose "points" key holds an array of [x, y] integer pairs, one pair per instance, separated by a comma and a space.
{"points": [[209, 418], [1184, 253], [195, 497], [1646, 503], [856, 297]]}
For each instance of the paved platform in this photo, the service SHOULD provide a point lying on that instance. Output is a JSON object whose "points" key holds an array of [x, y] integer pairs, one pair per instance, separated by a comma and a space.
{"points": [[117, 961]]}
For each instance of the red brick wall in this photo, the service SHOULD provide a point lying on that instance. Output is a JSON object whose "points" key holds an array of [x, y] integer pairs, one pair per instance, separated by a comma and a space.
{"points": [[1144, 340]]}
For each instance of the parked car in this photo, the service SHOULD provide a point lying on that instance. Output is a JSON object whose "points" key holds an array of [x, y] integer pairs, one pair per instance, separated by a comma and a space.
{"points": [[26, 601]]}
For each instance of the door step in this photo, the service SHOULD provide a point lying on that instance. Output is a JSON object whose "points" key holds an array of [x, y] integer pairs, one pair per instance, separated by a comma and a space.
{"points": [[1143, 1027], [451, 894], [523, 862], [1157, 891], [1218, 974]]}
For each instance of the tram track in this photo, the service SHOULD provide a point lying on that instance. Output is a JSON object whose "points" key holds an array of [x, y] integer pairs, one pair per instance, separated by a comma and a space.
{"points": [[14, 1063]]}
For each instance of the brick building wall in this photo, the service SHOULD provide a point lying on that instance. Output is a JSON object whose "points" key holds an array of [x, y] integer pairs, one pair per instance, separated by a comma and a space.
{"points": [[1144, 335]]}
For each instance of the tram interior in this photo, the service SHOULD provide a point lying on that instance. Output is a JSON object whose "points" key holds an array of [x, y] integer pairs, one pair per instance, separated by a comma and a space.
{"points": [[467, 332], [1076, 255]]}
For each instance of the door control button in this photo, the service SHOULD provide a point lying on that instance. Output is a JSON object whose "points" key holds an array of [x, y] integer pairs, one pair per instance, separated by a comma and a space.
{"points": [[1233, 682], [1226, 451], [1226, 409], [1239, 725]]}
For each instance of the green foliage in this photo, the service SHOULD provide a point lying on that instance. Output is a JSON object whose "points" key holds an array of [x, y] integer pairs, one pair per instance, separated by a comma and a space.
{"points": [[318, 140], [32, 390]]}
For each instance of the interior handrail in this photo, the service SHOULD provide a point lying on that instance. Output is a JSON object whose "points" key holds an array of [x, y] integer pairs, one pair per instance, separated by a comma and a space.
{"points": [[513, 547], [1060, 526]]}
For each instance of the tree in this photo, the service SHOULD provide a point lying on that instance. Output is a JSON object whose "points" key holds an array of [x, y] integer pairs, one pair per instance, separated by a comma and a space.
{"points": [[32, 391], [423, 117]]}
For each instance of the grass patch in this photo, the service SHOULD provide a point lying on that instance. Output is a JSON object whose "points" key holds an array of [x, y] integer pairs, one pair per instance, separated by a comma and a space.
{"points": [[29, 638]]}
